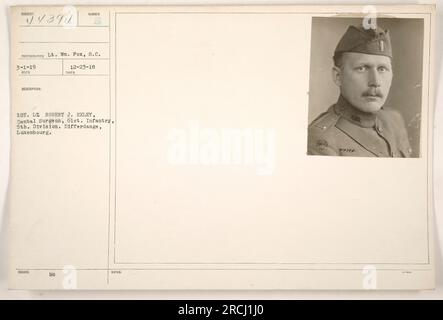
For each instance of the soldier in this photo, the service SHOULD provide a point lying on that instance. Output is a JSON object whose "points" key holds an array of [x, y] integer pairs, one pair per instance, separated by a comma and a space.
{"points": [[359, 125]]}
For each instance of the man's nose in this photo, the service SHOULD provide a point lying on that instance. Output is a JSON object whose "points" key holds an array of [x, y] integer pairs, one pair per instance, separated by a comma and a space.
{"points": [[374, 78]]}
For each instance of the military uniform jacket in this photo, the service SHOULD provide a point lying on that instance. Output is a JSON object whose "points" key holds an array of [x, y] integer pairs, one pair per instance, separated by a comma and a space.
{"points": [[344, 130]]}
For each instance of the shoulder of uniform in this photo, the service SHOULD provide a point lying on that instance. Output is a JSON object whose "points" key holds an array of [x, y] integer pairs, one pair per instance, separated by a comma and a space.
{"points": [[395, 120], [325, 120], [321, 136]]}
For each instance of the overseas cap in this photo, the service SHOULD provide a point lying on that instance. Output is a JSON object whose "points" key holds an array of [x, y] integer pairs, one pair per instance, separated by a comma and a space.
{"points": [[370, 41]]}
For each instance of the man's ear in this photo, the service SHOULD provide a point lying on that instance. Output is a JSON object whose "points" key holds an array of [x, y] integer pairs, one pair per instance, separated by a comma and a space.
{"points": [[336, 75]]}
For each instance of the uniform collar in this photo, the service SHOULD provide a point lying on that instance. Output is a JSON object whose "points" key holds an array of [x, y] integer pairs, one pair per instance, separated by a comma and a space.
{"points": [[349, 112]]}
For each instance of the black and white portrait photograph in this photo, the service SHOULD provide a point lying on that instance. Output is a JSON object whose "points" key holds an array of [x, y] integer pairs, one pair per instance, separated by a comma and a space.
{"points": [[365, 89]]}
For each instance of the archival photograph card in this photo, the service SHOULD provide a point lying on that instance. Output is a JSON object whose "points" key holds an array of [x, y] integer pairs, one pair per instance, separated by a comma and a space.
{"points": [[221, 147]]}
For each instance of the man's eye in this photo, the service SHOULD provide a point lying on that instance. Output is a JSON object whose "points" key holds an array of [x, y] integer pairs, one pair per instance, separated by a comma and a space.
{"points": [[383, 69], [361, 68]]}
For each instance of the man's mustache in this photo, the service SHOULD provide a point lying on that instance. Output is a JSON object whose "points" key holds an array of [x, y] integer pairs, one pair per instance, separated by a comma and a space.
{"points": [[373, 93]]}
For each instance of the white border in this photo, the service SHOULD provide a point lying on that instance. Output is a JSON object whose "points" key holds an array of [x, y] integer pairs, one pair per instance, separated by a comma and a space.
{"points": [[214, 294]]}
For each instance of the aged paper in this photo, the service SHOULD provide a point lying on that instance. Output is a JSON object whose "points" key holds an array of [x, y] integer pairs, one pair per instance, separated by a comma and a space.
{"points": [[167, 148]]}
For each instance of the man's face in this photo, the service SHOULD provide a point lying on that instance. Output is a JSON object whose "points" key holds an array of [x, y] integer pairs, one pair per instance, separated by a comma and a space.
{"points": [[364, 80]]}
